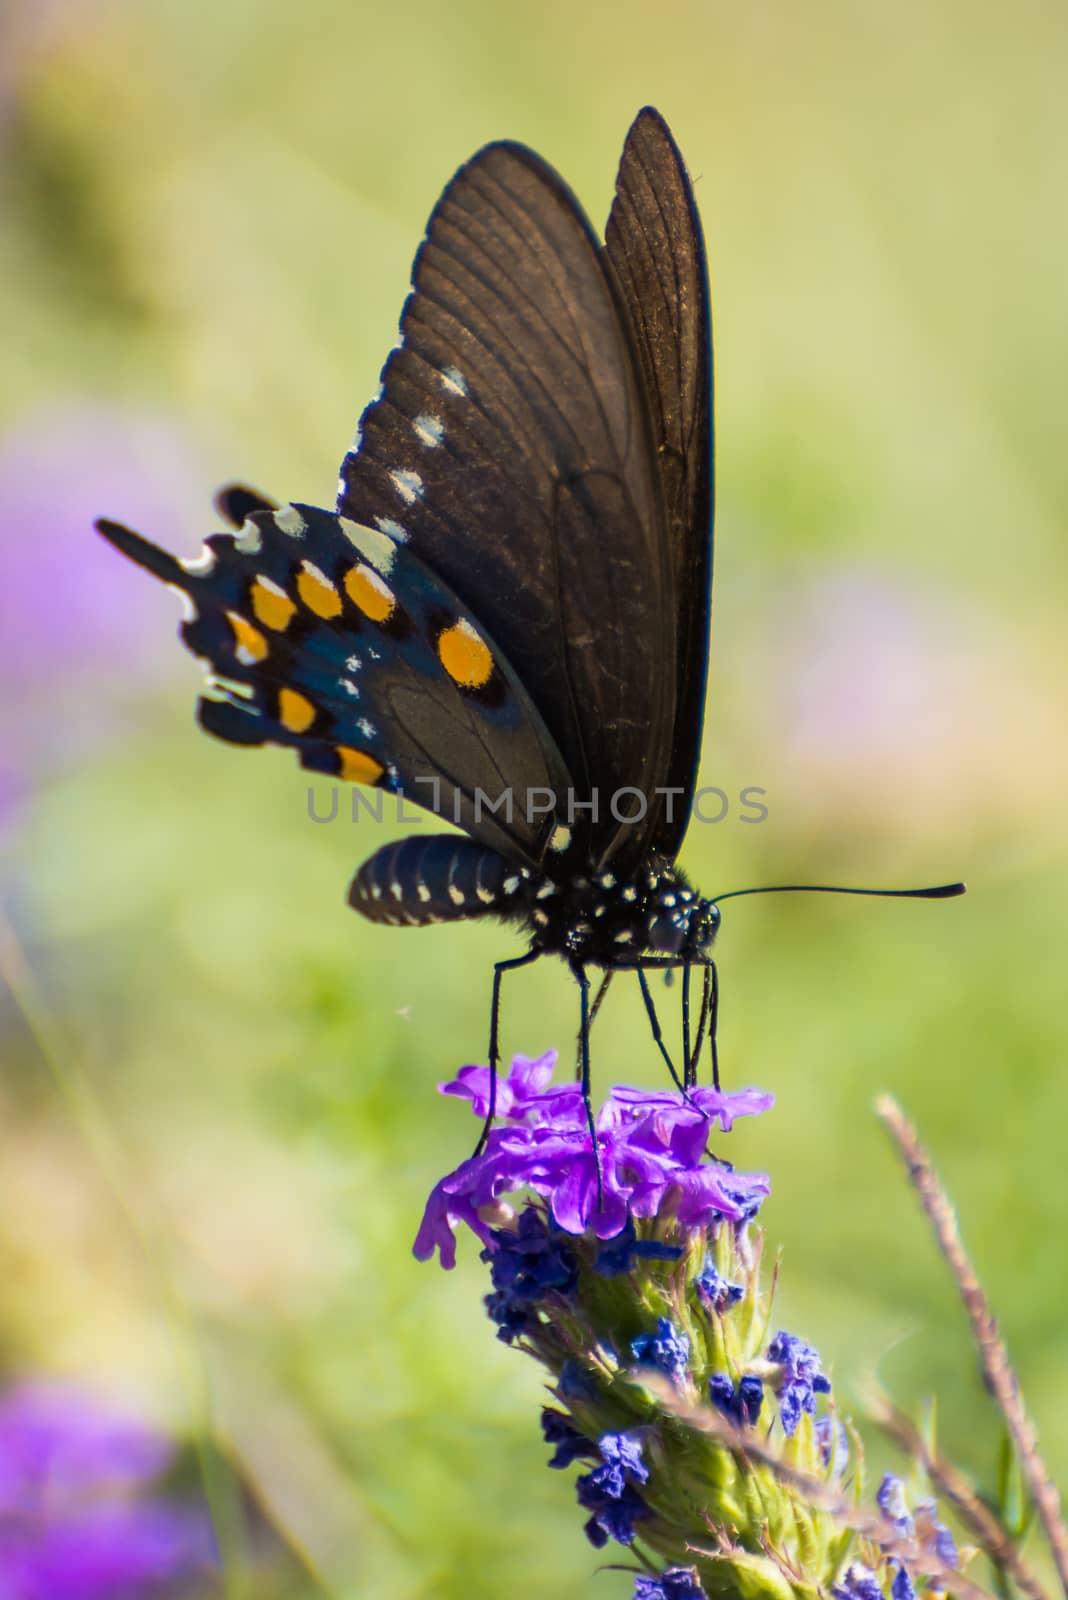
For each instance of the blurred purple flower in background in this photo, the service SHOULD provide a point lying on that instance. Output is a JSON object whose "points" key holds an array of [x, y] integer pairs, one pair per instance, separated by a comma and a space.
{"points": [[75, 1519], [865, 661], [69, 611]]}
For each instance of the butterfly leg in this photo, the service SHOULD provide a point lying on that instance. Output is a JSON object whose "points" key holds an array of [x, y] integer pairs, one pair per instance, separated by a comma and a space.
{"points": [[686, 1020], [712, 979], [579, 973], [499, 970], [602, 989], [694, 1057], [654, 1023]]}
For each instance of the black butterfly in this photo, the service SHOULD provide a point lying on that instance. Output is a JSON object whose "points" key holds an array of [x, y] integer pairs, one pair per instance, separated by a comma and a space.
{"points": [[506, 619]]}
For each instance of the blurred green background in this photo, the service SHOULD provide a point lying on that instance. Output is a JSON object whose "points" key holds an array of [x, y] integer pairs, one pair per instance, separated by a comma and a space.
{"points": [[209, 215]]}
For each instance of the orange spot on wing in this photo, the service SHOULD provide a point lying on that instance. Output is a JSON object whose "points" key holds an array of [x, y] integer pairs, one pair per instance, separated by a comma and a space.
{"points": [[370, 593], [295, 710], [465, 657], [358, 767], [271, 606], [249, 642], [317, 593]]}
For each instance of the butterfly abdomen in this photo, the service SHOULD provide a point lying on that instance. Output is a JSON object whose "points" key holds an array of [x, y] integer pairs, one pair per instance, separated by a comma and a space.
{"points": [[437, 879]]}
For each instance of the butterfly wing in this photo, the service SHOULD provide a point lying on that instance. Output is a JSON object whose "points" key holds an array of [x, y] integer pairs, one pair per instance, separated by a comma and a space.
{"points": [[655, 250], [334, 640], [510, 449]]}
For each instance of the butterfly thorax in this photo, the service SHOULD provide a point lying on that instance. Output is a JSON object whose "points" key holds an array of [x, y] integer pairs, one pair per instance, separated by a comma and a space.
{"points": [[613, 922]]}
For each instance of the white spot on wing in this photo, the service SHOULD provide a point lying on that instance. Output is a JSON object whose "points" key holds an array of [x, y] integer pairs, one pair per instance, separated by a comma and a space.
{"points": [[392, 529], [409, 485], [290, 521], [204, 562], [250, 540], [561, 838], [189, 610], [349, 687], [229, 686], [453, 380], [373, 545], [429, 430], [511, 884], [456, 895], [367, 728], [354, 663]]}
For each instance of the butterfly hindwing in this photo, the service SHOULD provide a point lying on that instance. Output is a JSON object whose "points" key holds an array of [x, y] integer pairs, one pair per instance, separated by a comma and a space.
{"points": [[335, 640], [511, 449], [655, 249]]}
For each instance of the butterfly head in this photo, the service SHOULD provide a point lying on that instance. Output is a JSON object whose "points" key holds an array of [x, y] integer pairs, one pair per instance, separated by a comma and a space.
{"points": [[679, 922]]}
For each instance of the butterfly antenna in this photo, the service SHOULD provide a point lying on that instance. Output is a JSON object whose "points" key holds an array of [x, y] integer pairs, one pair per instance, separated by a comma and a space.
{"points": [[940, 891]]}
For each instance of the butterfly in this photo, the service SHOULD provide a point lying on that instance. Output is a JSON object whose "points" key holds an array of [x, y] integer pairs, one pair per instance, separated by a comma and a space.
{"points": [[506, 617]]}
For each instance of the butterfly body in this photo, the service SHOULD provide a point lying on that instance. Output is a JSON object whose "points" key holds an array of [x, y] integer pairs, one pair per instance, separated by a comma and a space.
{"points": [[603, 920]]}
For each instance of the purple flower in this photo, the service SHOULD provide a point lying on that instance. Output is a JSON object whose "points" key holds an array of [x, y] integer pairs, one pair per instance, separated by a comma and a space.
{"points": [[930, 1531], [902, 1587], [832, 1438], [715, 1290], [608, 1491], [925, 1527], [740, 1403], [801, 1379], [527, 1094], [73, 1522], [858, 1584], [712, 1104], [890, 1498], [677, 1583], [650, 1159], [525, 1266], [560, 1431], [622, 1457], [666, 1350], [616, 1257]]}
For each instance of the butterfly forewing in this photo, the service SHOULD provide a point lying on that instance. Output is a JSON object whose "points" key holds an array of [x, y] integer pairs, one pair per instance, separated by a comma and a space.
{"points": [[655, 250], [511, 449]]}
